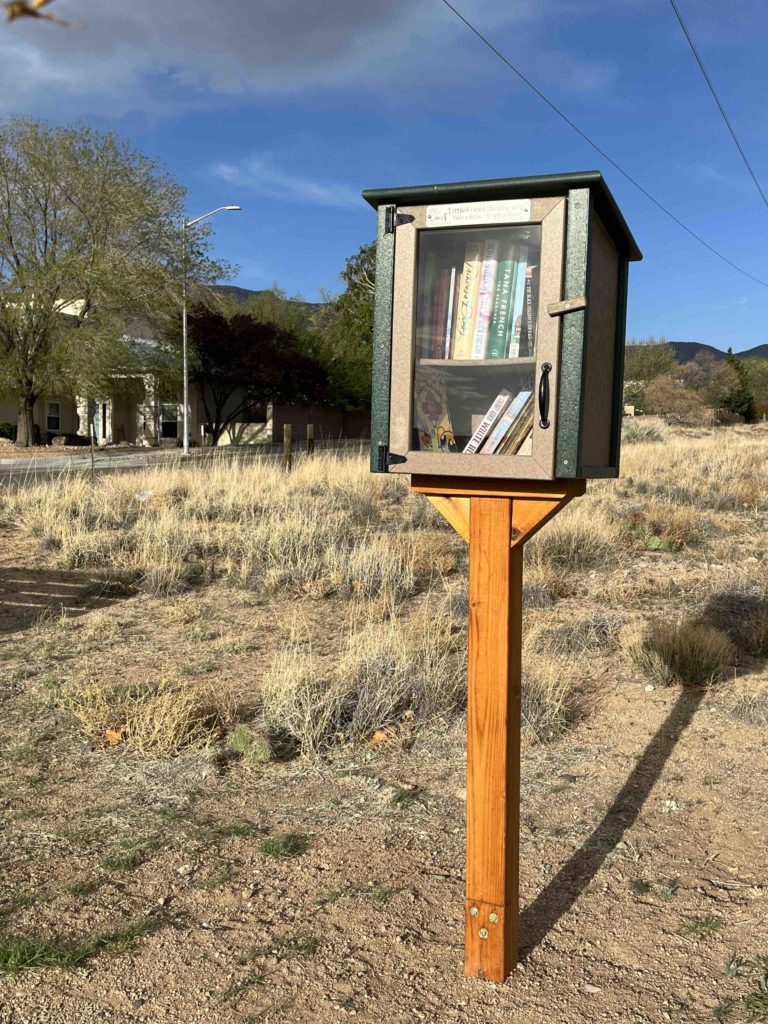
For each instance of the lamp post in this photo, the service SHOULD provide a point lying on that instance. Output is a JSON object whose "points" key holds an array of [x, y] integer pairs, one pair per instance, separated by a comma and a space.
{"points": [[185, 225]]}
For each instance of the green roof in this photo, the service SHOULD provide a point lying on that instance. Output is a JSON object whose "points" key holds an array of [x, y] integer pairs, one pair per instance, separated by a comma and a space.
{"points": [[513, 188]]}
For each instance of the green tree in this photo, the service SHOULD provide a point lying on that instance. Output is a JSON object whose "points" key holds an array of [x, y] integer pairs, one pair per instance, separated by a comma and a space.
{"points": [[739, 399], [89, 245], [757, 372], [646, 359], [344, 336]]}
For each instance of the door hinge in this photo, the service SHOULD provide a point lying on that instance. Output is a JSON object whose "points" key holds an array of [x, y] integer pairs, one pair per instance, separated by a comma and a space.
{"points": [[386, 458], [393, 220]]}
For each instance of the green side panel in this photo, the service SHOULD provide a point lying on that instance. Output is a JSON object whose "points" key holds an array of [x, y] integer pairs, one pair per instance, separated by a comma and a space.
{"points": [[382, 341], [618, 364], [574, 335]]}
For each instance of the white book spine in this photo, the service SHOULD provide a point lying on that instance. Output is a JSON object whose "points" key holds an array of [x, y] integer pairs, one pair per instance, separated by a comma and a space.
{"points": [[449, 317], [515, 320], [499, 405], [485, 297], [503, 426]]}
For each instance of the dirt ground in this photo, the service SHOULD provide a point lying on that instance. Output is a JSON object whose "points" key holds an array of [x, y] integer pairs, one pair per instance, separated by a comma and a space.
{"points": [[644, 862]]}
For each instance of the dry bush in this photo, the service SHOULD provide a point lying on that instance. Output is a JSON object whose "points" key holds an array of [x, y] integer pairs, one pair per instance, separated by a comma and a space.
{"points": [[385, 673], [749, 702], [160, 717], [589, 634], [582, 536], [664, 526], [634, 431], [550, 701], [690, 653], [742, 614]]}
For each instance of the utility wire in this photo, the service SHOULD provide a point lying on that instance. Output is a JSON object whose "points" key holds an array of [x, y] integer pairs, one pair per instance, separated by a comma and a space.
{"points": [[483, 39], [716, 98]]}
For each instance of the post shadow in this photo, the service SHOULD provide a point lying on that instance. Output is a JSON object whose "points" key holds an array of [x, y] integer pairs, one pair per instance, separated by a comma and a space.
{"points": [[560, 894]]}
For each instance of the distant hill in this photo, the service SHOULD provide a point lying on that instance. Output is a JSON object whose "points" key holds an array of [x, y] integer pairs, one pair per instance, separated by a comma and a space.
{"points": [[244, 294], [685, 351]]}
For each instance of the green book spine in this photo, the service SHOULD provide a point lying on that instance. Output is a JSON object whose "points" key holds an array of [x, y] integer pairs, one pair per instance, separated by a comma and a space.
{"points": [[502, 310]]}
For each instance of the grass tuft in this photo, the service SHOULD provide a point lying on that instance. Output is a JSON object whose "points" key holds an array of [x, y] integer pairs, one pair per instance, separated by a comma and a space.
{"points": [[28, 953], [281, 847], [668, 653]]}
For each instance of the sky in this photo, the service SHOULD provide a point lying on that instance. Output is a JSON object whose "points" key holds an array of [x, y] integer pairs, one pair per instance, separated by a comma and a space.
{"points": [[291, 107]]}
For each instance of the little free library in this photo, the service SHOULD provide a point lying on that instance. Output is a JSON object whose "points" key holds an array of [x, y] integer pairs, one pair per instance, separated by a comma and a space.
{"points": [[499, 328]]}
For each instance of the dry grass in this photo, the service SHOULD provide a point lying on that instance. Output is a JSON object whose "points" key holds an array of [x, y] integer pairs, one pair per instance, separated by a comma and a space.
{"points": [[158, 718], [685, 652], [386, 674]]}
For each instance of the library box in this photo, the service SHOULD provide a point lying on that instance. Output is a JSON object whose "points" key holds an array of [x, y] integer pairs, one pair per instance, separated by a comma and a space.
{"points": [[499, 326]]}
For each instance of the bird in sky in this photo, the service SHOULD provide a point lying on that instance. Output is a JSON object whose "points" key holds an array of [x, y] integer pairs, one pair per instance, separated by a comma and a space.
{"points": [[31, 9]]}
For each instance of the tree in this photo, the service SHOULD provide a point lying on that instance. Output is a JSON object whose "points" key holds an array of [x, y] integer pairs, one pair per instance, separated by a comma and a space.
{"points": [[240, 364], [669, 397], [344, 341], [89, 243], [739, 399], [647, 359], [757, 372]]}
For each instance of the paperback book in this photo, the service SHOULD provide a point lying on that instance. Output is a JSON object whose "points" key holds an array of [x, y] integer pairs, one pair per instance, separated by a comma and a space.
{"points": [[506, 423]]}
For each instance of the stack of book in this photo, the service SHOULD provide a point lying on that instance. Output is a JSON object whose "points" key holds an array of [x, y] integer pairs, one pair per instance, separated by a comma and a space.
{"points": [[482, 306], [505, 427]]}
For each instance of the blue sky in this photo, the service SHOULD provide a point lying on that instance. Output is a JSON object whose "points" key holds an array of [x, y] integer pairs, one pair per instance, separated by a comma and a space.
{"points": [[291, 108]]}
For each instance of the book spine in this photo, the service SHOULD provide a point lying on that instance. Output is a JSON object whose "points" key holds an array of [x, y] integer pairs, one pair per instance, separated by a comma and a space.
{"points": [[499, 405], [504, 425], [450, 314], [497, 331], [528, 331], [485, 297], [424, 307], [518, 430], [470, 285], [515, 320], [437, 346]]}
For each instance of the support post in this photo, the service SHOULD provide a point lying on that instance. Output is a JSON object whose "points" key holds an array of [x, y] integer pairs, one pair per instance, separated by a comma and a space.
{"points": [[310, 438], [496, 517], [493, 741]]}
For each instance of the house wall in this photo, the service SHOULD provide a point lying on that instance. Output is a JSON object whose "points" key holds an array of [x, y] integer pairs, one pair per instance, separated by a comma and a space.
{"points": [[67, 413]]}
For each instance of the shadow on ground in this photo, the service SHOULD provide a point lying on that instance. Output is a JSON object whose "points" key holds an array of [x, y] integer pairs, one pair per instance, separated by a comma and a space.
{"points": [[26, 595], [573, 878]]}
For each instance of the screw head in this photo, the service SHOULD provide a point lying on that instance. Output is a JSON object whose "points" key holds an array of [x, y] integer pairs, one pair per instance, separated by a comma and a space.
{"points": [[474, 911], [483, 933], [493, 918]]}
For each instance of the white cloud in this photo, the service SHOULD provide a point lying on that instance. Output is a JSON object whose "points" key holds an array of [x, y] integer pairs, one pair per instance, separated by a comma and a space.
{"points": [[261, 175], [165, 55]]}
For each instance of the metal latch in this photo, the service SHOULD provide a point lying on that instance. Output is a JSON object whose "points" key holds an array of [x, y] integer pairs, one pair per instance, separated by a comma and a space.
{"points": [[567, 306], [393, 220]]}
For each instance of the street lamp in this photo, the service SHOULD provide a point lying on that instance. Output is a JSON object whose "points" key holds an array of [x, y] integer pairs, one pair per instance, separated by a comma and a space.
{"points": [[185, 225]]}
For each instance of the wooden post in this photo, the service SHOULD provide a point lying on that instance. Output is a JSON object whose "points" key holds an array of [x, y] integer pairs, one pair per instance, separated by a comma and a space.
{"points": [[496, 517], [287, 447], [493, 741], [310, 438]]}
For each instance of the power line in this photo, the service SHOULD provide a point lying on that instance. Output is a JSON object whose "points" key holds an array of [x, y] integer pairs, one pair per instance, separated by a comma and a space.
{"points": [[716, 98], [483, 39]]}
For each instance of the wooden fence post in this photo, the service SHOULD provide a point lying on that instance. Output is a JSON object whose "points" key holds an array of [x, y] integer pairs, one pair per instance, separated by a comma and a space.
{"points": [[287, 447], [310, 438]]}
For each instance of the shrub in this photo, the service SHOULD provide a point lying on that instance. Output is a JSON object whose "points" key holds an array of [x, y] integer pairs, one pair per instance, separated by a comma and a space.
{"points": [[634, 431], [7, 430], [689, 653]]}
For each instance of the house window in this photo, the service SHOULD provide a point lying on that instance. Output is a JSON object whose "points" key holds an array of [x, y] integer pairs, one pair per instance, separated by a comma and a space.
{"points": [[169, 420], [53, 417]]}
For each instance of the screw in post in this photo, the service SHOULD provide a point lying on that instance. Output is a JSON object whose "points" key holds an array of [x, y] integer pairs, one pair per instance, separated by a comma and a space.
{"points": [[483, 933], [473, 911], [493, 918]]}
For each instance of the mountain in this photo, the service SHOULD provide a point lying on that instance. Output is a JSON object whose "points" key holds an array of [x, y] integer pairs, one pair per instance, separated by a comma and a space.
{"points": [[685, 351], [245, 294]]}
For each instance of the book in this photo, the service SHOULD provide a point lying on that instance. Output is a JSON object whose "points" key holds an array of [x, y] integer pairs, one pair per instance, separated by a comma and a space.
{"points": [[516, 316], [499, 325], [439, 307], [424, 306], [530, 312], [430, 411], [467, 306], [505, 422], [451, 313], [488, 421], [519, 430], [485, 297]]}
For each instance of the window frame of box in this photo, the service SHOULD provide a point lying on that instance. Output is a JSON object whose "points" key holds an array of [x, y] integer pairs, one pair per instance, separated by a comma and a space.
{"points": [[548, 213]]}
